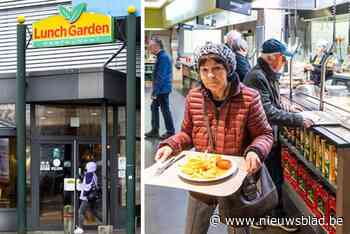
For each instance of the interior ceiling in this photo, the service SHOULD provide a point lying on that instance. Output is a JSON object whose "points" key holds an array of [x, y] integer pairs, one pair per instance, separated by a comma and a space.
{"points": [[155, 3]]}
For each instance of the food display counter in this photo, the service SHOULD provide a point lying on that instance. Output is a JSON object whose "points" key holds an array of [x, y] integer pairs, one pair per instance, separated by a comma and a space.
{"points": [[336, 100], [315, 160], [341, 79], [315, 163], [149, 66], [190, 77]]}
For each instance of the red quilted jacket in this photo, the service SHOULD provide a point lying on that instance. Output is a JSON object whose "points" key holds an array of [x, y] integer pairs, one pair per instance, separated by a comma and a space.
{"points": [[238, 126]]}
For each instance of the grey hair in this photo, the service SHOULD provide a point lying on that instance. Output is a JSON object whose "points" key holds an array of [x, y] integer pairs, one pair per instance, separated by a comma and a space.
{"points": [[239, 44], [158, 41], [232, 36]]}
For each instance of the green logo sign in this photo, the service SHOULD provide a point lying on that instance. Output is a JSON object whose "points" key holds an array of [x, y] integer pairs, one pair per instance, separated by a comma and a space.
{"points": [[56, 153], [73, 26], [72, 15]]}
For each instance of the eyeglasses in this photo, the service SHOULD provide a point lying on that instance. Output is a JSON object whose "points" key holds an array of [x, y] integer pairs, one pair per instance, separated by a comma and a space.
{"points": [[281, 56], [284, 59]]}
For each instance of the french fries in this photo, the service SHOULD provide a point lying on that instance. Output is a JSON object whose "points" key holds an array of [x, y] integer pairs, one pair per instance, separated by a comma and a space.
{"points": [[201, 167]]}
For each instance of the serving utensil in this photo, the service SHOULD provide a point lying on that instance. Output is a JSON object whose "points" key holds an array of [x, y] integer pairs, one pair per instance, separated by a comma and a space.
{"points": [[162, 166]]}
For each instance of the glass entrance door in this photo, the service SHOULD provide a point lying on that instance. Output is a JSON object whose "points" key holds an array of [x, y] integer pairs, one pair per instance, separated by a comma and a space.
{"points": [[90, 153], [56, 163]]}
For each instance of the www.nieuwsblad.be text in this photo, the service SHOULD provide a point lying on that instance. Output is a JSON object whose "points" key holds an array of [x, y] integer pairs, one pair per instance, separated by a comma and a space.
{"points": [[272, 221]]}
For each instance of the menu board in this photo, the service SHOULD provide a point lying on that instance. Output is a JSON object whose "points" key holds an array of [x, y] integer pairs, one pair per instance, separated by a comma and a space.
{"points": [[4, 160], [239, 6]]}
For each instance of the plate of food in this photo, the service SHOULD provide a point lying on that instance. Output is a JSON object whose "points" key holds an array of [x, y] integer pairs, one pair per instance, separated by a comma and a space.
{"points": [[206, 168]]}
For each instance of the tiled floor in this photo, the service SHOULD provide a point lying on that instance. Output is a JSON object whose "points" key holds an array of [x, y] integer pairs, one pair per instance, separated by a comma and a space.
{"points": [[165, 209]]}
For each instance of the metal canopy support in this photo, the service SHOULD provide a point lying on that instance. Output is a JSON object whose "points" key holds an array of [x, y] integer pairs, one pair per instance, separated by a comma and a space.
{"points": [[21, 128], [131, 119], [30, 38], [115, 55]]}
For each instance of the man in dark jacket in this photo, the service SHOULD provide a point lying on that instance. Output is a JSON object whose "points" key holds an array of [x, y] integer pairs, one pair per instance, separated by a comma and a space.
{"points": [[162, 85], [264, 78], [240, 47]]}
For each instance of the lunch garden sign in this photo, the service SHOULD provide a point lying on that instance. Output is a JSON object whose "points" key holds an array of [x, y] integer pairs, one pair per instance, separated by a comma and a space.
{"points": [[73, 26]]}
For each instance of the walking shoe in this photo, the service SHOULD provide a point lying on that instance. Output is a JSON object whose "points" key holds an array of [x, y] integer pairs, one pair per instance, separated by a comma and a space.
{"points": [[152, 134], [257, 226], [78, 230], [166, 135], [287, 227]]}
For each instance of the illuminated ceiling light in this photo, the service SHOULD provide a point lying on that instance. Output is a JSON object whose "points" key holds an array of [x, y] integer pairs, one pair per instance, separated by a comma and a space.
{"points": [[93, 113], [154, 4], [43, 117]]}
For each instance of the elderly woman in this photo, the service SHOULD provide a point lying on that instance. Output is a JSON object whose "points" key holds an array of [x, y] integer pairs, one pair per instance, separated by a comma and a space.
{"points": [[87, 186], [222, 116], [240, 47], [318, 59]]}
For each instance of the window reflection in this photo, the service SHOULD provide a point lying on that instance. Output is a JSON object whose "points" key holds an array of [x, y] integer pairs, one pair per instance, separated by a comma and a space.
{"points": [[55, 165], [122, 173], [68, 120], [122, 121], [8, 172], [8, 166], [7, 113]]}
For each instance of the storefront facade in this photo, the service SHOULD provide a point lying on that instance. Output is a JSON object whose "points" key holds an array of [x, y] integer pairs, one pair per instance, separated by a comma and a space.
{"points": [[75, 113]]}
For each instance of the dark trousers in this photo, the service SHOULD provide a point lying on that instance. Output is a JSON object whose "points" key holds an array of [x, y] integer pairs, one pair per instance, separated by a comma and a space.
{"points": [[274, 166], [162, 101], [198, 218], [84, 206]]}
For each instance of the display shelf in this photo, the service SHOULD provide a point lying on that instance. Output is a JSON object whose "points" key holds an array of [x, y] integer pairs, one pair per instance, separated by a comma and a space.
{"points": [[338, 135], [309, 165], [301, 206], [189, 79]]}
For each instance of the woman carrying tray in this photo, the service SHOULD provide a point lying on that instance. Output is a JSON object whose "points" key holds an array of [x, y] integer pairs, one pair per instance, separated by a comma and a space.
{"points": [[237, 122]]}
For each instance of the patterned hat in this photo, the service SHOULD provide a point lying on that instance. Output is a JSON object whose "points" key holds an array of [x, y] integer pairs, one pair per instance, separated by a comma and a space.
{"points": [[217, 49]]}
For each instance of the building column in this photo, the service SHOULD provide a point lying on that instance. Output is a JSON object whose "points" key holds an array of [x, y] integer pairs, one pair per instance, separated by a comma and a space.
{"points": [[21, 127]]}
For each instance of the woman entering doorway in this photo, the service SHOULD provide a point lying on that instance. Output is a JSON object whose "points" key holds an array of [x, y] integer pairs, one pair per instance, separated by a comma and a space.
{"points": [[88, 195]]}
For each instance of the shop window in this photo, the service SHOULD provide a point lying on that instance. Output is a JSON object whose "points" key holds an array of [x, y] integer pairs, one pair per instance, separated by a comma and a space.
{"points": [[8, 172], [7, 114], [122, 122], [122, 173], [110, 121], [68, 120], [8, 165]]}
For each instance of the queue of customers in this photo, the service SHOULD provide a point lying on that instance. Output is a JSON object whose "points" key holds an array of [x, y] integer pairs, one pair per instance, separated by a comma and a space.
{"points": [[236, 110]]}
